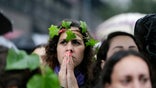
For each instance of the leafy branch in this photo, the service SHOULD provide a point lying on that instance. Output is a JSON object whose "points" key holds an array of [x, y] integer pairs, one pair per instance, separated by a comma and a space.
{"points": [[46, 80], [20, 61]]}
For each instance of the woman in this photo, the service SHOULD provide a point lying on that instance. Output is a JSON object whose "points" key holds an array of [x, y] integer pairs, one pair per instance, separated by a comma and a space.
{"points": [[120, 71], [115, 41], [68, 53]]}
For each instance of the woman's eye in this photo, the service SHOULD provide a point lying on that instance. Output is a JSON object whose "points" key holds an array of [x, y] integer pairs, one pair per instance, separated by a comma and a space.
{"points": [[144, 80], [76, 42], [63, 42], [133, 48], [125, 81]]}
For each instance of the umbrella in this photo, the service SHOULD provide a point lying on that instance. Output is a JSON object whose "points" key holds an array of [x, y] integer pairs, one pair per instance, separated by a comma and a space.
{"points": [[123, 22]]}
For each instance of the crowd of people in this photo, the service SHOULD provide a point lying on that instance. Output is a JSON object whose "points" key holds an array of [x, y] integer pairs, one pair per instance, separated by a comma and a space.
{"points": [[123, 60]]}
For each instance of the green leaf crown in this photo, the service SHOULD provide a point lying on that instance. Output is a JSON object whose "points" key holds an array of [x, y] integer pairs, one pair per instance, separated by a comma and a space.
{"points": [[65, 26]]}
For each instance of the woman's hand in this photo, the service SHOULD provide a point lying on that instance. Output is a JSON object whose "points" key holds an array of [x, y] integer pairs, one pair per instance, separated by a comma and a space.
{"points": [[72, 82], [66, 74], [63, 74]]}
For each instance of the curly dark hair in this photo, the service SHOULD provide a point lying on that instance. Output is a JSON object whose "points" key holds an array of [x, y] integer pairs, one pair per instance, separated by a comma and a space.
{"points": [[51, 52]]}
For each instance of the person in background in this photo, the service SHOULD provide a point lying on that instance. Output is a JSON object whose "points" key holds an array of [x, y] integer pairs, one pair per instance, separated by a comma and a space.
{"points": [[145, 33], [120, 71], [40, 51], [69, 54], [115, 41], [11, 78], [5, 27]]}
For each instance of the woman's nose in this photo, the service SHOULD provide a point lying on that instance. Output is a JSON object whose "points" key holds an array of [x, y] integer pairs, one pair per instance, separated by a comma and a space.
{"points": [[137, 84], [69, 47], [125, 48]]}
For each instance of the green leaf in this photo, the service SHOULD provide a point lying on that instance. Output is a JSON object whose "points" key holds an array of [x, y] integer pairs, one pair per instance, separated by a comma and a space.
{"points": [[70, 35], [53, 31], [66, 24], [20, 60], [91, 42], [47, 80], [83, 25]]}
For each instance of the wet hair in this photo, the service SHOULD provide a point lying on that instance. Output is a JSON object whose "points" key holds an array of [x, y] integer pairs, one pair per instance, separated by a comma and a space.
{"points": [[103, 50], [51, 52], [117, 57]]}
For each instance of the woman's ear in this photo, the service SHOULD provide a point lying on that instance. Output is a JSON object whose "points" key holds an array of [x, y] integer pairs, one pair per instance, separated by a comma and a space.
{"points": [[107, 85], [102, 64]]}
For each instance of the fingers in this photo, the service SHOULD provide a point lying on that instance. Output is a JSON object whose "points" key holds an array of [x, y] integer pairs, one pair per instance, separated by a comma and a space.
{"points": [[66, 74], [72, 82], [68, 55], [63, 66], [70, 65], [62, 74]]}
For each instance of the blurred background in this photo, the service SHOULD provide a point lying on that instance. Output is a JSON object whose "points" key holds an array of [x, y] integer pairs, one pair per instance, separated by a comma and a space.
{"points": [[32, 18]]}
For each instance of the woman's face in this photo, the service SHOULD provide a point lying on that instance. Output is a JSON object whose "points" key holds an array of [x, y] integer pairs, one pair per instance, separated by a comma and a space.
{"points": [[130, 72], [121, 42], [75, 46]]}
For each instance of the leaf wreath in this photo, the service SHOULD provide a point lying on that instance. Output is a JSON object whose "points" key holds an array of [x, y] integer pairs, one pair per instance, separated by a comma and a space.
{"points": [[83, 25], [54, 31], [70, 35], [20, 60], [91, 42], [66, 24]]}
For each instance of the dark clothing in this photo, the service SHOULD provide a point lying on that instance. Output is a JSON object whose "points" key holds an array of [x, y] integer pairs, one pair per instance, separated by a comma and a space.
{"points": [[145, 32]]}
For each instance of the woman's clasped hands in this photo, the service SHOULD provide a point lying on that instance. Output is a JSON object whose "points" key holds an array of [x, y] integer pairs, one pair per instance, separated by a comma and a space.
{"points": [[66, 73]]}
